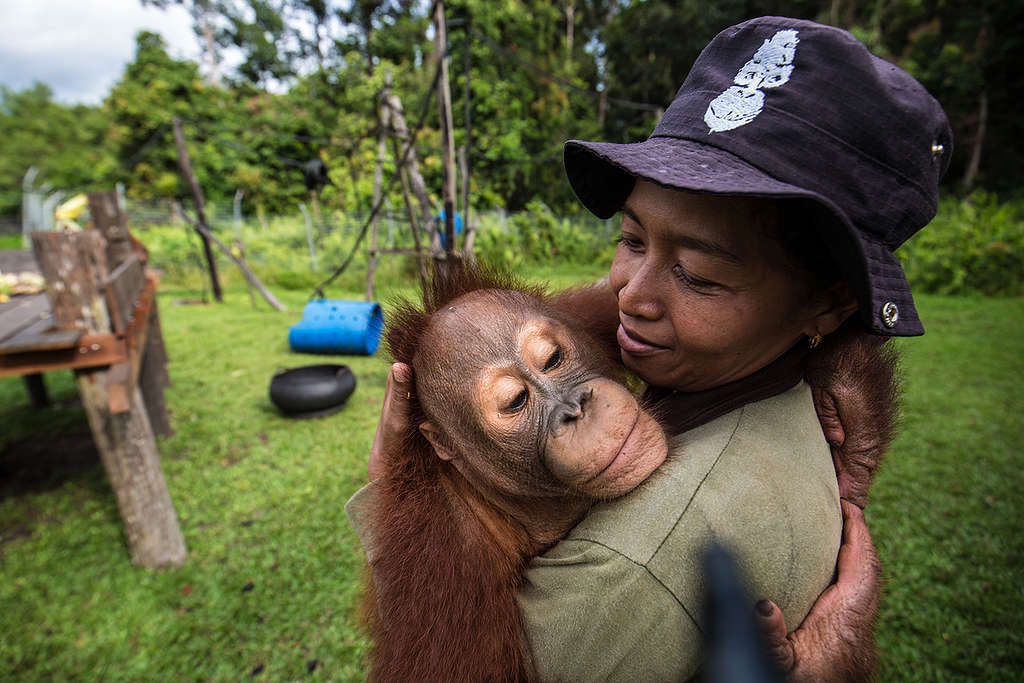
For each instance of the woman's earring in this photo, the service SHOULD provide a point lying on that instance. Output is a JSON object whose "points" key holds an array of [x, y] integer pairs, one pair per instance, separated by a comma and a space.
{"points": [[814, 341]]}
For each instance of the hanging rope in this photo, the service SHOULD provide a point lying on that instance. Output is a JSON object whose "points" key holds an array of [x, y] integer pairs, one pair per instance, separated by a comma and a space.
{"points": [[318, 292]]}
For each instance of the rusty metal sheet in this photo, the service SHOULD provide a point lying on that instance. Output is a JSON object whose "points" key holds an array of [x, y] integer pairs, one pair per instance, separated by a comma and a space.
{"points": [[93, 350]]}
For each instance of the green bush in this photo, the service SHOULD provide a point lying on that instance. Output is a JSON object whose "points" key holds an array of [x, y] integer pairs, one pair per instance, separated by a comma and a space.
{"points": [[974, 246], [538, 237], [279, 252], [10, 242]]}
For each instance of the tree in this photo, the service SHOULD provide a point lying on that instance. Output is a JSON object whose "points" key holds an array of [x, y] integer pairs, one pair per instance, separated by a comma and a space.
{"points": [[66, 143], [206, 15], [153, 90], [317, 14], [257, 28]]}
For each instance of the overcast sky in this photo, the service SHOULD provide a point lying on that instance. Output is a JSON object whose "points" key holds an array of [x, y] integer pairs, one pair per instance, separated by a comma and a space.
{"points": [[79, 47]]}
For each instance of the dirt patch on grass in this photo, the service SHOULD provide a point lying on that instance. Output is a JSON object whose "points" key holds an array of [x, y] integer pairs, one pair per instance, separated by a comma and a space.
{"points": [[37, 464], [44, 461]]}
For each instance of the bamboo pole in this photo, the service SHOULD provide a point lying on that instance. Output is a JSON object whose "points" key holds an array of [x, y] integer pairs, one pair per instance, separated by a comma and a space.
{"points": [[447, 139], [197, 194]]}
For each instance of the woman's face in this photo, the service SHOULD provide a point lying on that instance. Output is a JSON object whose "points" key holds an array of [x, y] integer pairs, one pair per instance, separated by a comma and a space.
{"points": [[706, 293]]}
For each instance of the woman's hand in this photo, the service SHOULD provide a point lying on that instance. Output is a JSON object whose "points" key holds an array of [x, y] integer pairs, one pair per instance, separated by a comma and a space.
{"points": [[836, 640], [394, 419]]}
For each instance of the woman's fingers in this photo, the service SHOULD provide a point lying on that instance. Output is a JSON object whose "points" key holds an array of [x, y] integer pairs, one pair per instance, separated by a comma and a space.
{"points": [[394, 418]]}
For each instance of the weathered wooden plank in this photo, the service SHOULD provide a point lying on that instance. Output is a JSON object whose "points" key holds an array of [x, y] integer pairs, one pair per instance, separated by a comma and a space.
{"points": [[20, 312], [128, 450], [74, 265], [17, 261], [112, 223], [123, 288], [123, 377], [119, 387], [155, 346], [153, 376], [40, 336]]}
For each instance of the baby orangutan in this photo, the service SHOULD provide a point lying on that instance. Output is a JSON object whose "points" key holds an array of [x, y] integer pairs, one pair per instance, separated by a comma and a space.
{"points": [[520, 423]]}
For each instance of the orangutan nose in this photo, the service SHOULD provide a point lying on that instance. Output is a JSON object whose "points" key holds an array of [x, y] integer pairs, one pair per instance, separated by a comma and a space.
{"points": [[573, 409]]}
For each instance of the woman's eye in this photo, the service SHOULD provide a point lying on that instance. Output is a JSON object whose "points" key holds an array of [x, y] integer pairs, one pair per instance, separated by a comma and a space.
{"points": [[518, 402], [554, 360], [630, 243], [693, 282]]}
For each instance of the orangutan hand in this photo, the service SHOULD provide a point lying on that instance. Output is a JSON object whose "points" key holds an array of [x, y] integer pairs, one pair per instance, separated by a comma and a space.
{"points": [[394, 418], [836, 640], [854, 382]]}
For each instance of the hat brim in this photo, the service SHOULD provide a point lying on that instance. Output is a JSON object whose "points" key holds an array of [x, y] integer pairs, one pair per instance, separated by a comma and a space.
{"points": [[602, 174]]}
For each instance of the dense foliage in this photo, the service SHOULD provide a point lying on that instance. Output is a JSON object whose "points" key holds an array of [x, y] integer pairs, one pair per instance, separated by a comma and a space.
{"points": [[973, 246], [538, 72], [525, 75]]}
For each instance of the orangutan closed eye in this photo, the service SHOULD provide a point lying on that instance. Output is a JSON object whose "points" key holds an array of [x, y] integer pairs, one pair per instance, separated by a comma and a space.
{"points": [[522, 423]]}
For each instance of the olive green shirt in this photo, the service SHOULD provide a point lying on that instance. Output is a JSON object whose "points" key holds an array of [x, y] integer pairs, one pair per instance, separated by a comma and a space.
{"points": [[620, 598]]}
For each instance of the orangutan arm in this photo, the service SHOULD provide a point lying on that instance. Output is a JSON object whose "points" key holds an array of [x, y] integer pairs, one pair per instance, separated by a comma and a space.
{"points": [[394, 419], [854, 380], [835, 642]]}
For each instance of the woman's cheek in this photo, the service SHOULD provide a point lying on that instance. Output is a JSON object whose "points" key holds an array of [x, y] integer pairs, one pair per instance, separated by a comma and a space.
{"points": [[618, 274]]}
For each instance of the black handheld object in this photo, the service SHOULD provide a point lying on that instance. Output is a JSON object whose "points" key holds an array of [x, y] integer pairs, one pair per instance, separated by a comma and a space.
{"points": [[734, 649]]}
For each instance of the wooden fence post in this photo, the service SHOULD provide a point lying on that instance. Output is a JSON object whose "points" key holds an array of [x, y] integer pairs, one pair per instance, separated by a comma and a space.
{"points": [[447, 140], [185, 163], [75, 268]]}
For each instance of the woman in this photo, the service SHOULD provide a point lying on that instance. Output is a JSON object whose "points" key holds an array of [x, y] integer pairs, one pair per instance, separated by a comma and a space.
{"points": [[759, 217]]}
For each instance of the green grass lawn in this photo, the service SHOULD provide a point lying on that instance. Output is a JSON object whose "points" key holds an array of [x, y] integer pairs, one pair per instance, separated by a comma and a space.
{"points": [[273, 569]]}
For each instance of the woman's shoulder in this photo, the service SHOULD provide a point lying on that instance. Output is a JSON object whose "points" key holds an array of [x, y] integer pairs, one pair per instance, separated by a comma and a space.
{"points": [[731, 479], [780, 433], [759, 479]]}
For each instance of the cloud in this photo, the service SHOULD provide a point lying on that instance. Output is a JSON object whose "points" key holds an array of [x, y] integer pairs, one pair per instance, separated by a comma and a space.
{"points": [[79, 47]]}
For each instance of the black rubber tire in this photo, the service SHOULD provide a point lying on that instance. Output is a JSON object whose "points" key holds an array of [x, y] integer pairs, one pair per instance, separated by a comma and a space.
{"points": [[312, 390]]}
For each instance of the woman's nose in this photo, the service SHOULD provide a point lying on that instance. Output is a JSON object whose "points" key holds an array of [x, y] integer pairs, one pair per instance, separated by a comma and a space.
{"points": [[640, 296]]}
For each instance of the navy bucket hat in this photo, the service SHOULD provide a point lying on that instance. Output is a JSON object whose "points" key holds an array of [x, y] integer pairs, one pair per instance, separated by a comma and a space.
{"points": [[790, 109]]}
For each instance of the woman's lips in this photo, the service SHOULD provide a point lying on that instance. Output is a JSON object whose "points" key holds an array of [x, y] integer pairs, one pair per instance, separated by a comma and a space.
{"points": [[635, 345]]}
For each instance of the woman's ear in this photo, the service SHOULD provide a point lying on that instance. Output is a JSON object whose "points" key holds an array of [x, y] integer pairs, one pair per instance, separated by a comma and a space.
{"points": [[438, 441], [833, 307]]}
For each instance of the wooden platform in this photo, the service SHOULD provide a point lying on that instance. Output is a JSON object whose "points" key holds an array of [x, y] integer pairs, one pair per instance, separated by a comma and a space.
{"points": [[26, 324], [99, 318], [31, 342]]}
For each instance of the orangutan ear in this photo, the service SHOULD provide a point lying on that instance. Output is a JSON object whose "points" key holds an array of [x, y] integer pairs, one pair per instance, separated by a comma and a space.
{"points": [[833, 307], [438, 440]]}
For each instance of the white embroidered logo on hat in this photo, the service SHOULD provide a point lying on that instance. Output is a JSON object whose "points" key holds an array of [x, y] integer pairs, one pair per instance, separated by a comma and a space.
{"points": [[770, 67]]}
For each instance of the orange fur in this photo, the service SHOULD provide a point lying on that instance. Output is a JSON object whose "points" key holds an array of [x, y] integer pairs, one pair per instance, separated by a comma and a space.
{"points": [[448, 564]]}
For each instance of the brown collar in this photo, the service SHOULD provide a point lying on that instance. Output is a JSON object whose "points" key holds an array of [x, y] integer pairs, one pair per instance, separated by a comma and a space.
{"points": [[679, 412]]}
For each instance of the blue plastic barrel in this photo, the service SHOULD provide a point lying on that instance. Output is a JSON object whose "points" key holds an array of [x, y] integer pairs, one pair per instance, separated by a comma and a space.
{"points": [[338, 326]]}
